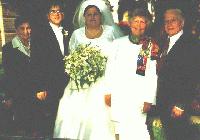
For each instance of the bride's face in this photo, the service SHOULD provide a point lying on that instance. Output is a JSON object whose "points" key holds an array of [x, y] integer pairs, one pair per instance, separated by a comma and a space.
{"points": [[92, 17]]}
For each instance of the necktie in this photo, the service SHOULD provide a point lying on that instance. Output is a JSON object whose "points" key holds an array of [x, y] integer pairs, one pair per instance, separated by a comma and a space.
{"points": [[165, 48], [65, 42], [163, 55]]}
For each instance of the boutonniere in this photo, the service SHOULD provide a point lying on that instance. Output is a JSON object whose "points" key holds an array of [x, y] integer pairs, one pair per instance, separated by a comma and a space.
{"points": [[65, 33]]}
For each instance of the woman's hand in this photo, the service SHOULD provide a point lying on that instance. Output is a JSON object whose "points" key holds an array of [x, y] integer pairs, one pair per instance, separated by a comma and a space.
{"points": [[107, 98], [41, 95]]}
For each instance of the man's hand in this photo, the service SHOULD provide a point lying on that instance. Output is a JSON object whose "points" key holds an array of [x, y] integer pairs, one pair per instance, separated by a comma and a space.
{"points": [[41, 95], [107, 98], [177, 112], [146, 107]]}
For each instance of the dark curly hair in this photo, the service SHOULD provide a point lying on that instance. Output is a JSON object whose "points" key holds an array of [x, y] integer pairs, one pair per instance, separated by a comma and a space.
{"points": [[20, 20]]}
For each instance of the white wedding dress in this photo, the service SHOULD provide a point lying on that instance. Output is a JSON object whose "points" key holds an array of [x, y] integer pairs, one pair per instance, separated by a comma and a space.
{"points": [[129, 90], [83, 115]]}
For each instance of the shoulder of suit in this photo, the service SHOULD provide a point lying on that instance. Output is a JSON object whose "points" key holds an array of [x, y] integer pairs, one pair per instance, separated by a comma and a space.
{"points": [[7, 45], [189, 39]]}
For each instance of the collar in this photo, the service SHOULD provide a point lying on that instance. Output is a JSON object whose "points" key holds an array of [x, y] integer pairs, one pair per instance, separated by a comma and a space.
{"points": [[175, 37], [16, 43], [134, 39], [55, 28]]}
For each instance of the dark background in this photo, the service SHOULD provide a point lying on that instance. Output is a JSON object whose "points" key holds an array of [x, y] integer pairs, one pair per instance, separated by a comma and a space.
{"points": [[35, 10]]}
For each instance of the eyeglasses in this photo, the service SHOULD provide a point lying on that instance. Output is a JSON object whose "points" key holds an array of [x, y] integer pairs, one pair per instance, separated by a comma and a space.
{"points": [[171, 21], [55, 12]]}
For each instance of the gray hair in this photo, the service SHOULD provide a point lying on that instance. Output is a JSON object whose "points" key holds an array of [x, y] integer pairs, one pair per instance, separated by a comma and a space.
{"points": [[178, 13], [141, 13]]}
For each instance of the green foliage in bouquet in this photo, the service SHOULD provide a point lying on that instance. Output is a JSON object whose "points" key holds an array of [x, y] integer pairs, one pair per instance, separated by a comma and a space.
{"points": [[85, 65]]}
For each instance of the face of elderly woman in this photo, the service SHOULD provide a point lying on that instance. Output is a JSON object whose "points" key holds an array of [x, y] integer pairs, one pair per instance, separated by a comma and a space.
{"points": [[138, 25], [92, 17], [24, 31]]}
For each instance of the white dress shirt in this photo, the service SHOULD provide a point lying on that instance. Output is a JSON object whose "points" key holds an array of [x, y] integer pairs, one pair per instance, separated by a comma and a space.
{"points": [[58, 32], [173, 39]]}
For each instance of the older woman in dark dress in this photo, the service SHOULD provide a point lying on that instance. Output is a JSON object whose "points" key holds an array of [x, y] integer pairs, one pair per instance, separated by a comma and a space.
{"points": [[16, 63]]}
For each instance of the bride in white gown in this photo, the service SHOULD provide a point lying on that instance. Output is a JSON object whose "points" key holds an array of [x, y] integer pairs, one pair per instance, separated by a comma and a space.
{"points": [[83, 114]]}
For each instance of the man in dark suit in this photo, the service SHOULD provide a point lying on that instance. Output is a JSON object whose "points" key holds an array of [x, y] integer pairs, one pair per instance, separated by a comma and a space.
{"points": [[50, 45], [177, 78]]}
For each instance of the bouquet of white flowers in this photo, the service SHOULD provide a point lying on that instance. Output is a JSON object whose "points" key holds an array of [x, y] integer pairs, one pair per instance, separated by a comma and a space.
{"points": [[85, 65]]}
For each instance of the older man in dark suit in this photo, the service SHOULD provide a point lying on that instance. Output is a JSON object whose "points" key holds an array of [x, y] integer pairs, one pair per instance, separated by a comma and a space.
{"points": [[50, 45], [177, 78]]}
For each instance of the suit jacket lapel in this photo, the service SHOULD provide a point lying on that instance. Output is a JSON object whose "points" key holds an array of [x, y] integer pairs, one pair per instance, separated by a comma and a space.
{"points": [[172, 54], [54, 45], [176, 46]]}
